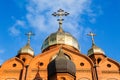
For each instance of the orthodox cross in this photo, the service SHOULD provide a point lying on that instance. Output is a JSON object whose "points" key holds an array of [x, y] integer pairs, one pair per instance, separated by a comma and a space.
{"points": [[60, 13], [29, 34], [92, 36]]}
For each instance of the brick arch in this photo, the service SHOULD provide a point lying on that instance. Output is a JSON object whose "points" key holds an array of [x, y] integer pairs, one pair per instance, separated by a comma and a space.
{"points": [[107, 61], [15, 59], [13, 66], [109, 67], [81, 55], [46, 56], [33, 66], [68, 56], [83, 64], [62, 78], [35, 60], [114, 62], [88, 59]]}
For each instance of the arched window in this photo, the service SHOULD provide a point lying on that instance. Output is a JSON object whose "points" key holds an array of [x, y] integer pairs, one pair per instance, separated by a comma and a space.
{"points": [[67, 56], [82, 64], [14, 65], [98, 60], [24, 59], [62, 78], [108, 65]]}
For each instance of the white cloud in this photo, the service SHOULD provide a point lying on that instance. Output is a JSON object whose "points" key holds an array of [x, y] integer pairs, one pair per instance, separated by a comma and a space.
{"points": [[40, 18], [20, 23], [15, 29]]}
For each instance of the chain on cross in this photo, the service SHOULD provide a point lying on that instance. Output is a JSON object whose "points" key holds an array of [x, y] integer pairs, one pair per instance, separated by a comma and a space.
{"points": [[29, 34], [92, 36], [60, 13]]}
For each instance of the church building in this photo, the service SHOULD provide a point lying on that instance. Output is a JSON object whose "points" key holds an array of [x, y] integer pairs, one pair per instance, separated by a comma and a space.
{"points": [[60, 59]]}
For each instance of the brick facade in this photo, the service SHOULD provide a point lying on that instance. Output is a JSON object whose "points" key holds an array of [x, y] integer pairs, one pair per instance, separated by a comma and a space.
{"points": [[17, 68]]}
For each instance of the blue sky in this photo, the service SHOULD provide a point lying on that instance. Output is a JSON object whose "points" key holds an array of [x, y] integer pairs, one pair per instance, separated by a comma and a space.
{"points": [[17, 17]]}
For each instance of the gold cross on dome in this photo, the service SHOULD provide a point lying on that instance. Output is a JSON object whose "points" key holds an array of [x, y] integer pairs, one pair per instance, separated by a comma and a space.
{"points": [[29, 34], [92, 36], [60, 13]]}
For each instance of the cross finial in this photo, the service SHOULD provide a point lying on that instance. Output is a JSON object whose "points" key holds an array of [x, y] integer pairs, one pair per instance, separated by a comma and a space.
{"points": [[92, 36], [60, 13], [29, 34]]}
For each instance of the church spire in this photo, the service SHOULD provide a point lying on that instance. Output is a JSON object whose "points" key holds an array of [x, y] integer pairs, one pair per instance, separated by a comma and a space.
{"points": [[60, 13]]}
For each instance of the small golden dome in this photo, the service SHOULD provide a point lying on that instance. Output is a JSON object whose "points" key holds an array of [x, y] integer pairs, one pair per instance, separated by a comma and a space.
{"points": [[26, 49], [95, 50]]}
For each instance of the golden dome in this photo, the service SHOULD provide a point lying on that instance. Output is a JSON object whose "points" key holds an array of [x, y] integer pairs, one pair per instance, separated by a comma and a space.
{"points": [[95, 50], [60, 37], [26, 49]]}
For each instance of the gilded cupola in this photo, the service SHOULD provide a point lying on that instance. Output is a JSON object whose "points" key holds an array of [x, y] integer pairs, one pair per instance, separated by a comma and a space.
{"points": [[27, 48], [60, 37], [94, 49]]}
